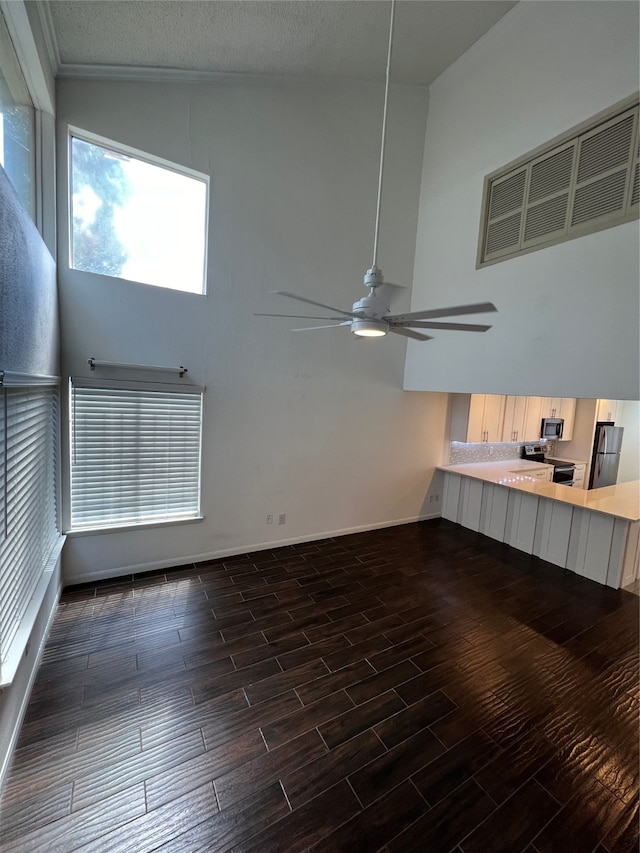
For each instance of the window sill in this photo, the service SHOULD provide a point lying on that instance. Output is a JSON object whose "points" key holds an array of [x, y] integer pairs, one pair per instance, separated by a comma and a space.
{"points": [[121, 528]]}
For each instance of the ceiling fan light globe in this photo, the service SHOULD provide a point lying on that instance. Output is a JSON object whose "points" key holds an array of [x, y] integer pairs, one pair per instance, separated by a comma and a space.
{"points": [[369, 328]]}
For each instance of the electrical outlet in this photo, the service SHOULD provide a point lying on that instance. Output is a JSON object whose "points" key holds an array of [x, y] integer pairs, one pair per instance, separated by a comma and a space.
{"points": [[282, 518], [269, 519], [433, 499]]}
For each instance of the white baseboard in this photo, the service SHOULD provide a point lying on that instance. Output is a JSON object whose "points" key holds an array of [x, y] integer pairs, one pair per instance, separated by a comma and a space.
{"points": [[158, 565]]}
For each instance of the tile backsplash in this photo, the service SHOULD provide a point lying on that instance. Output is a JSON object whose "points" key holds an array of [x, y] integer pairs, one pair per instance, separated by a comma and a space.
{"points": [[459, 452]]}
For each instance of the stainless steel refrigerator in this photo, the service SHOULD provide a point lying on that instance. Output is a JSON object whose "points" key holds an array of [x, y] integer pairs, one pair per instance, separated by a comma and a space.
{"points": [[606, 455]]}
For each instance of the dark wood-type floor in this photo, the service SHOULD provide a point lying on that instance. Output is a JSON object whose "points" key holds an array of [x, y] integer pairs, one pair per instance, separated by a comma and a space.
{"points": [[418, 688]]}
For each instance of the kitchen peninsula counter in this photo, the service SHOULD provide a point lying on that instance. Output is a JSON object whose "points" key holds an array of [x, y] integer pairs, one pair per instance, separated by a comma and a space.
{"points": [[621, 500], [595, 533]]}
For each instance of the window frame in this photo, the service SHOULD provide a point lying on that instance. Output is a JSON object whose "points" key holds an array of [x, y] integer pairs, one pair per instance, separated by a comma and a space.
{"points": [[72, 131]]}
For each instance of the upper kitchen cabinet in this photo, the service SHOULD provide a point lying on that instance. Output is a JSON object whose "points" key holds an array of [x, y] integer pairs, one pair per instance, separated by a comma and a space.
{"points": [[522, 418], [477, 417], [607, 410], [560, 407]]}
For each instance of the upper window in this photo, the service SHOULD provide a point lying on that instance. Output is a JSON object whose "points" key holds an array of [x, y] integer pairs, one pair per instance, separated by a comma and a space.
{"points": [[17, 134], [584, 181], [136, 218]]}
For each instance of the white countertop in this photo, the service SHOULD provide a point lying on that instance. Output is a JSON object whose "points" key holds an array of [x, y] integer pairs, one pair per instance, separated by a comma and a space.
{"points": [[621, 500]]}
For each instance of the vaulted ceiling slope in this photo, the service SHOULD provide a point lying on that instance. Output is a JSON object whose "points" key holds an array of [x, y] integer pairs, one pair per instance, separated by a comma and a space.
{"points": [[305, 38]]}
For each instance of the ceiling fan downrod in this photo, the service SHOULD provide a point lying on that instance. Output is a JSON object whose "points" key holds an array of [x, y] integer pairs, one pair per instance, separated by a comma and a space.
{"points": [[373, 277]]}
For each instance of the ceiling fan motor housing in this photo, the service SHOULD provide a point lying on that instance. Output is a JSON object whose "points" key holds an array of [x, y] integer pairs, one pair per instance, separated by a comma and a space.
{"points": [[372, 306], [370, 311]]}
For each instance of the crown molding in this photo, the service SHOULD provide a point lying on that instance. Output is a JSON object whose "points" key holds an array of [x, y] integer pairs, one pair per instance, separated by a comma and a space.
{"points": [[152, 74]]}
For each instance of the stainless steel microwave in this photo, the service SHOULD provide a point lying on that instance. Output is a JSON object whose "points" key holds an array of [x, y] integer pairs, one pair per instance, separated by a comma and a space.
{"points": [[552, 428]]}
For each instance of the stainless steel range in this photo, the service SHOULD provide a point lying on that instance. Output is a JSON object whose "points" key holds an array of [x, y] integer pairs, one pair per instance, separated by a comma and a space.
{"points": [[563, 472]]}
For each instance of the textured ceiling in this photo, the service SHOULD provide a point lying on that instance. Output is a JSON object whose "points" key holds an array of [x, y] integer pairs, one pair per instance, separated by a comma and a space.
{"points": [[311, 38]]}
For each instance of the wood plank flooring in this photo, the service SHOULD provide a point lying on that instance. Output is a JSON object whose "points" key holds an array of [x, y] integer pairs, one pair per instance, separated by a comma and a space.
{"points": [[417, 688]]}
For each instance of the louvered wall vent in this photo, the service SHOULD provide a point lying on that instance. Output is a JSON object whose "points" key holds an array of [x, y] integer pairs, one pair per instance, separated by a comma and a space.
{"points": [[586, 180]]}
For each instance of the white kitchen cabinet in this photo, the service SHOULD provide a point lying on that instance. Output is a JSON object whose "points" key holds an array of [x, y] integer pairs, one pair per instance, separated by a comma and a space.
{"points": [[595, 546], [607, 410], [522, 512], [568, 413], [533, 419], [470, 503], [493, 515], [523, 417], [540, 472], [451, 496], [579, 475], [551, 539], [599, 546], [462, 500], [551, 407], [631, 561], [560, 407], [515, 414], [477, 417]]}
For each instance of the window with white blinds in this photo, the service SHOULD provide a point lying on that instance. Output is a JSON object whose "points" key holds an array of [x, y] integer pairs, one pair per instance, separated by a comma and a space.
{"points": [[583, 182], [29, 532], [135, 455]]}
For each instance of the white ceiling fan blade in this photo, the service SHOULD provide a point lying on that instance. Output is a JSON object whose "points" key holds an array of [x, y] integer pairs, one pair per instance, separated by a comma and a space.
{"points": [[455, 327], [453, 311], [297, 316], [312, 302], [328, 326], [409, 333]]}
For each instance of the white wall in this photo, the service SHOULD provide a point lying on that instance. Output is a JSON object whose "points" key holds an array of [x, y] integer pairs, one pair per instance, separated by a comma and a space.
{"points": [[568, 315], [314, 425]]}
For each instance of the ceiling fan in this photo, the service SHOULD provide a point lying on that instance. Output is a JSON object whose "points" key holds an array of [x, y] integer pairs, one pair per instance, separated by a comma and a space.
{"points": [[371, 317]]}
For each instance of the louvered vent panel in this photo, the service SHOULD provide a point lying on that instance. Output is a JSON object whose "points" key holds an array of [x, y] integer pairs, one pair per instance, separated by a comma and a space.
{"points": [[605, 150], [551, 175], [507, 195], [635, 186], [546, 218], [635, 192], [586, 180], [599, 198], [504, 234]]}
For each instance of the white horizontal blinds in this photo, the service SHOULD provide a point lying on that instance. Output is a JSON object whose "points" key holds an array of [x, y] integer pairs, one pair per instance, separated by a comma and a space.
{"points": [[135, 456], [28, 511], [586, 183]]}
